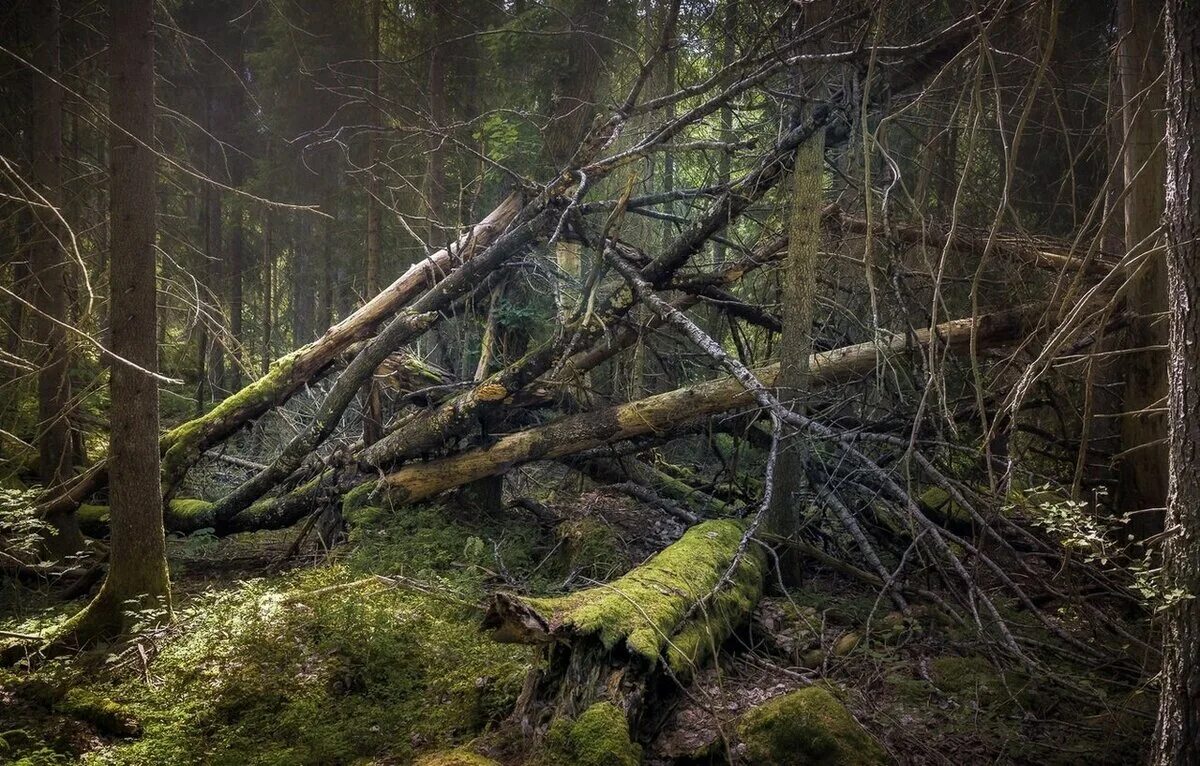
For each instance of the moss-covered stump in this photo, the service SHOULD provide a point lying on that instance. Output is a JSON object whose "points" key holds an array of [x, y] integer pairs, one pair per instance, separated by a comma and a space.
{"points": [[809, 727], [615, 642], [598, 737]]}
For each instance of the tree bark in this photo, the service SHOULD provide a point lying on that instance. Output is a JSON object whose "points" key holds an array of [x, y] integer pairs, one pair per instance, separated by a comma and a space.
{"points": [[664, 619], [1177, 735], [435, 170], [1144, 467], [268, 287], [137, 570], [49, 266]]}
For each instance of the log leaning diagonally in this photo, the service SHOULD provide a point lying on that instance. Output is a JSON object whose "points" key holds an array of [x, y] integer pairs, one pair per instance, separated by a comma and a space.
{"points": [[183, 444]]}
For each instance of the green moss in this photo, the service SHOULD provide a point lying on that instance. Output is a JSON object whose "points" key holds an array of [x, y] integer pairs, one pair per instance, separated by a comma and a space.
{"points": [[806, 728], [93, 519], [183, 515], [429, 542], [456, 757], [357, 498], [974, 679], [598, 737], [646, 608], [107, 716]]}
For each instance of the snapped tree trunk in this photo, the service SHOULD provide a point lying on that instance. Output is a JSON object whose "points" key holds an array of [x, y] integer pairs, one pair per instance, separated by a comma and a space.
{"points": [[614, 643]]}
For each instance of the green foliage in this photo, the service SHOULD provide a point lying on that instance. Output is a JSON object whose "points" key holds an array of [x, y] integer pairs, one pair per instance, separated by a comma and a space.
{"points": [[809, 727], [590, 549], [427, 542]]}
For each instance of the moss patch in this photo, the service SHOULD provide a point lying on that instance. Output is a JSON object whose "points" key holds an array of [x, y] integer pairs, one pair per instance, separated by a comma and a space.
{"points": [[109, 717], [806, 728], [598, 737], [646, 608], [457, 757]]}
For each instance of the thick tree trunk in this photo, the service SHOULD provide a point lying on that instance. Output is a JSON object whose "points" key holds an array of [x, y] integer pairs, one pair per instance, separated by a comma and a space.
{"points": [[137, 570], [1144, 465], [49, 266], [798, 295], [1177, 736], [435, 170], [237, 256], [268, 288]]}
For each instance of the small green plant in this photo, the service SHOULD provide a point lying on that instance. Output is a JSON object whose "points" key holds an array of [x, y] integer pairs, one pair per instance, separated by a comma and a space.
{"points": [[1073, 522], [21, 529]]}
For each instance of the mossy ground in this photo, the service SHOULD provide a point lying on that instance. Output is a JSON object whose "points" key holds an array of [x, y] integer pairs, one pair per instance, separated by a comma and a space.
{"points": [[310, 666]]}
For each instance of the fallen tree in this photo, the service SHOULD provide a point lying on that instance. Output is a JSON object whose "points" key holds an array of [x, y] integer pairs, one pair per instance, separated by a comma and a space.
{"points": [[667, 411], [656, 415]]}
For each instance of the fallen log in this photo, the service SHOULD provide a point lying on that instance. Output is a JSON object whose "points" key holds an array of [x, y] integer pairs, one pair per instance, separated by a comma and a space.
{"points": [[613, 643], [666, 412]]}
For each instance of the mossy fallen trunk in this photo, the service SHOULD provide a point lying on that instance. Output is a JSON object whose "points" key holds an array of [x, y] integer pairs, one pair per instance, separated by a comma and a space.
{"points": [[188, 515], [626, 642]]}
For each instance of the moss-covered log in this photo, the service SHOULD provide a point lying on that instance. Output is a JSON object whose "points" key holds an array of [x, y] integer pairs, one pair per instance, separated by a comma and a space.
{"points": [[622, 642], [188, 515]]}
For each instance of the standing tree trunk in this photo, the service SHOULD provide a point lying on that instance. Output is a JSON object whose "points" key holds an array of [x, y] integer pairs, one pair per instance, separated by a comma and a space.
{"points": [[50, 280], [798, 296], [573, 105], [435, 170], [1144, 467], [1177, 736], [137, 570], [373, 402], [268, 287]]}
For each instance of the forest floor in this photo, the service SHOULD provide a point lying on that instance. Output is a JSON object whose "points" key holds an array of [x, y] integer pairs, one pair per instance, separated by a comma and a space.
{"points": [[372, 653]]}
